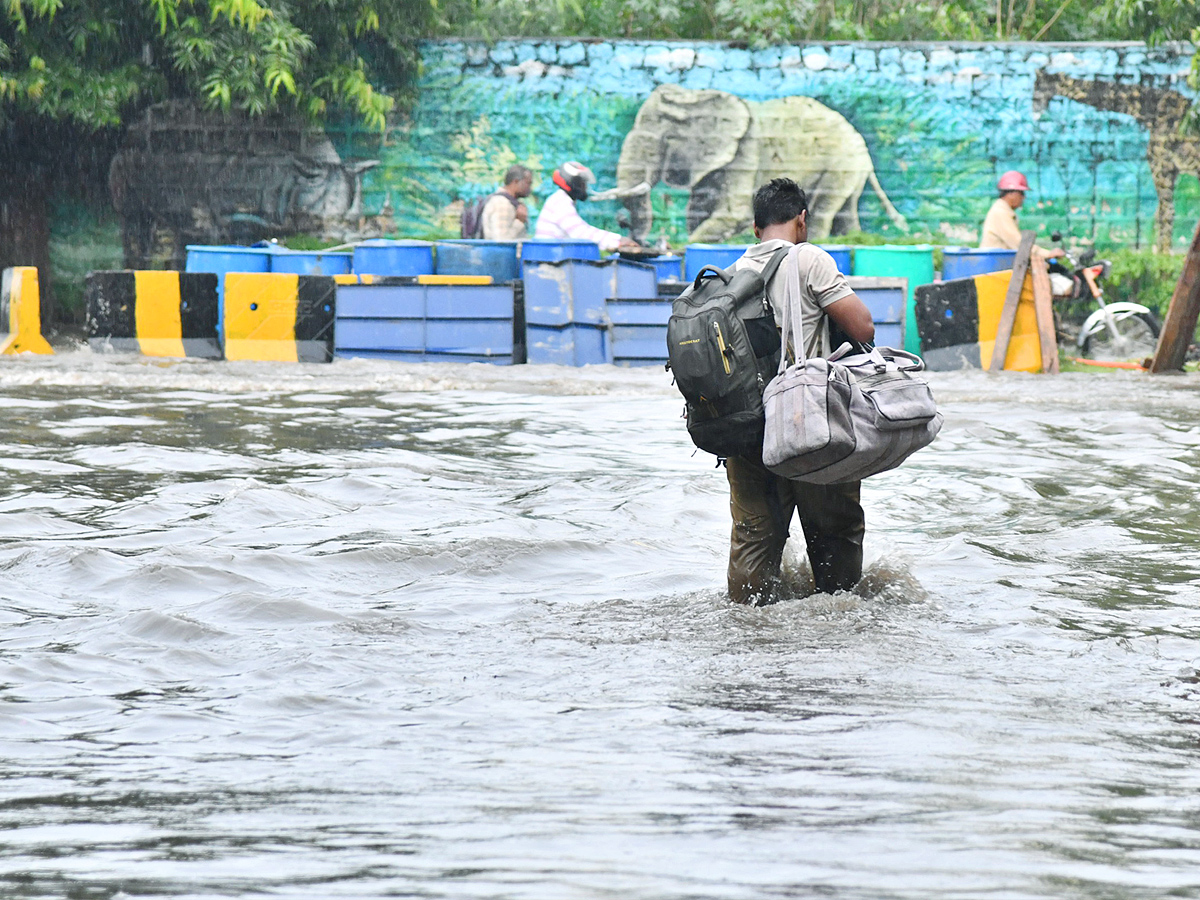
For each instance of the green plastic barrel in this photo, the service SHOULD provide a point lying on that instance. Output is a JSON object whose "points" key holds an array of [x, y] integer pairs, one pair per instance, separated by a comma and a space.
{"points": [[914, 262]]}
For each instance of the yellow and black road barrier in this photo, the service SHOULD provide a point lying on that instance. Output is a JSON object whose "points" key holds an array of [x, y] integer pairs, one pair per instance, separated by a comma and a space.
{"points": [[21, 312], [958, 321], [155, 313], [280, 316]]}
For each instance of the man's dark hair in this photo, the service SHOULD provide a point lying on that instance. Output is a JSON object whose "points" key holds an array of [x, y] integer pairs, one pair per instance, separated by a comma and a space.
{"points": [[779, 200], [516, 173]]}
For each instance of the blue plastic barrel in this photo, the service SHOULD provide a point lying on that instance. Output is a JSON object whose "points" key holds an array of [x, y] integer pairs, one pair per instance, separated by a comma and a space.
{"points": [[383, 257], [466, 257], [669, 267], [841, 256], [963, 262], [222, 259], [205, 258], [552, 251], [697, 256], [310, 262]]}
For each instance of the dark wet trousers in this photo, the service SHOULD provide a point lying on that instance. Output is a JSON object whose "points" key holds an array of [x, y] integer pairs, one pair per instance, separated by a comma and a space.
{"points": [[762, 504]]}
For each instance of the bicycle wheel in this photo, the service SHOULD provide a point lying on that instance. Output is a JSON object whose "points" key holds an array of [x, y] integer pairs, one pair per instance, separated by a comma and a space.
{"points": [[1139, 333]]}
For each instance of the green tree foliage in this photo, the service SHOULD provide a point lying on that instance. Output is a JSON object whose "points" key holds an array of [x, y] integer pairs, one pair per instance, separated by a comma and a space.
{"points": [[1159, 21], [72, 71], [91, 61], [763, 22]]}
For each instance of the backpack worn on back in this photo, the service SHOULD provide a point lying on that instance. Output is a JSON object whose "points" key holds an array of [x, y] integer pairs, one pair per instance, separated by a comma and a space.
{"points": [[472, 214], [723, 348]]}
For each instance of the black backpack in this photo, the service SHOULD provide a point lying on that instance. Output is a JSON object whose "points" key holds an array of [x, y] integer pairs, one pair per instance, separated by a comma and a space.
{"points": [[472, 214], [723, 348]]}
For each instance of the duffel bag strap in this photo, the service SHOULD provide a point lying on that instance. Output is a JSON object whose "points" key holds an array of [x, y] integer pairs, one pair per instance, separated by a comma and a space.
{"points": [[792, 294]]}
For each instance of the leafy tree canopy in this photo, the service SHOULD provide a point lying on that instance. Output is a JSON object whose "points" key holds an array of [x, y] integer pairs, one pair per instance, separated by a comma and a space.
{"points": [[762, 22], [88, 62]]}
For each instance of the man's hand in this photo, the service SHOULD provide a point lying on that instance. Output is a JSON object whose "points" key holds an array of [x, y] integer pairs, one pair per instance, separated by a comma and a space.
{"points": [[628, 243], [1056, 253], [522, 213]]}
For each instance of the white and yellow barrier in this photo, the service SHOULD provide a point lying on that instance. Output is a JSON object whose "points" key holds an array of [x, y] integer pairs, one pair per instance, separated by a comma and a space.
{"points": [[21, 312]]}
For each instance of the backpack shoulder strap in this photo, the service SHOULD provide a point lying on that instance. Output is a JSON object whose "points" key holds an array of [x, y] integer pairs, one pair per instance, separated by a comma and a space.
{"points": [[771, 268]]}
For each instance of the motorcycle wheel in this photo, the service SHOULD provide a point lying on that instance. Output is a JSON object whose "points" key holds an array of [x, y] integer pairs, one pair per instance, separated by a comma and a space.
{"points": [[1140, 331]]}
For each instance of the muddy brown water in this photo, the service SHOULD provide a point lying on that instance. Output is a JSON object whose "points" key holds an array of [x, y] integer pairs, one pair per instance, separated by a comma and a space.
{"points": [[374, 630]]}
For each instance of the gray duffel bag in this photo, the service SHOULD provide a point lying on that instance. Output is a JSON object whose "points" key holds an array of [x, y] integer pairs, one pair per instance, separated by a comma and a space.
{"points": [[846, 417]]}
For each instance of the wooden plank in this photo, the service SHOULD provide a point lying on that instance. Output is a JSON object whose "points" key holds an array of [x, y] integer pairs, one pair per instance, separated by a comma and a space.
{"points": [[1043, 307], [1009, 315], [1182, 314]]}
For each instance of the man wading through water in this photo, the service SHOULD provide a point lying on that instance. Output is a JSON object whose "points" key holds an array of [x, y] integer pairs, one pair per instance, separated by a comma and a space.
{"points": [[762, 503]]}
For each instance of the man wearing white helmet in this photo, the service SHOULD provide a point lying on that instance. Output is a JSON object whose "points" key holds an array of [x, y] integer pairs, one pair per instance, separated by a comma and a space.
{"points": [[559, 219], [1000, 228]]}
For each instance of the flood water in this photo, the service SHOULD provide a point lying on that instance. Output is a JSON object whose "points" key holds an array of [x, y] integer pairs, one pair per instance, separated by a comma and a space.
{"points": [[377, 630]]}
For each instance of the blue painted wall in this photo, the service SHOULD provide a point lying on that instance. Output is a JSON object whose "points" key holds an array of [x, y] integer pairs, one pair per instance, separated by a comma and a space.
{"points": [[941, 121]]}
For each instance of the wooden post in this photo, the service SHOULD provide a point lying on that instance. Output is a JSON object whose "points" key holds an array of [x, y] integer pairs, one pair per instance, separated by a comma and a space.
{"points": [[1008, 316], [1180, 323], [1043, 307]]}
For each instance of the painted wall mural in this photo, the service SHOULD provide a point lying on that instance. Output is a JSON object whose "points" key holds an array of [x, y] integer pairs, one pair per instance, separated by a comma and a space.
{"points": [[187, 177], [891, 139]]}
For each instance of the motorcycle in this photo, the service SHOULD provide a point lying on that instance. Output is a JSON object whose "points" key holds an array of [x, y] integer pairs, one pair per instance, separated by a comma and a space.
{"points": [[1115, 331]]}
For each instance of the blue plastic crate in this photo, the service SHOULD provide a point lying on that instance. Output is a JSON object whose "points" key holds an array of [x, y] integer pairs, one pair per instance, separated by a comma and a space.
{"points": [[632, 280], [639, 345], [469, 257], [479, 337], [639, 312], [568, 345], [566, 291], [378, 334], [468, 301], [890, 335], [426, 322], [381, 301], [885, 304], [420, 356]]}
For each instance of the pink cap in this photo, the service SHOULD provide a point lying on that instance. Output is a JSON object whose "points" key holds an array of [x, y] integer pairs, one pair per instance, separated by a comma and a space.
{"points": [[1013, 181]]}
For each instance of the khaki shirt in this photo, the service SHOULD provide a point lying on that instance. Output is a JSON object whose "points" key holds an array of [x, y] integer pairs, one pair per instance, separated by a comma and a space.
{"points": [[500, 222], [1001, 231], [821, 284], [1000, 228]]}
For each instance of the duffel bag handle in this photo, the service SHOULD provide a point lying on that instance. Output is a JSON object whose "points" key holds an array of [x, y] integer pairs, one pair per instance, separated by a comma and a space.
{"points": [[715, 270]]}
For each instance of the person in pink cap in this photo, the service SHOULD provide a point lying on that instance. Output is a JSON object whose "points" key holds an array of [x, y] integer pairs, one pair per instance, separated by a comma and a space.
{"points": [[1000, 228]]}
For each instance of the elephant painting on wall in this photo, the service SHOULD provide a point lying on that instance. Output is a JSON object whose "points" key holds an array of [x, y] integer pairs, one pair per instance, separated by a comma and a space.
{"points": [[721, 148]]}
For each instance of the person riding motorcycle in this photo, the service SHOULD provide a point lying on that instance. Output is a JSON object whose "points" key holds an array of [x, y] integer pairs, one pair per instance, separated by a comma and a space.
{"points": [[1000, 228], [559, 219]]}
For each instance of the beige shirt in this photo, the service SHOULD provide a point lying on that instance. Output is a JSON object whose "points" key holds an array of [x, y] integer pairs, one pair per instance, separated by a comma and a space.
{"points": [[500, 222], [1001, 231], [821, 284], [1000, 228]]}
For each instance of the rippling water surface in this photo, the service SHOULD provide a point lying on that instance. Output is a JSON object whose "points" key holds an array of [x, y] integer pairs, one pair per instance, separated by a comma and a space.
{"points": [[369, 630]]}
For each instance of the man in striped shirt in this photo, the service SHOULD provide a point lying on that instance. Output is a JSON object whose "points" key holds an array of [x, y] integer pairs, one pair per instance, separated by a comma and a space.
{"points": [[505, 214], [560, 220]]}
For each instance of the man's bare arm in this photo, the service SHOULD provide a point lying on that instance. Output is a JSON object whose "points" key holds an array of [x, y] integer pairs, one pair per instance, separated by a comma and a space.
{"points": [[853, 317]]}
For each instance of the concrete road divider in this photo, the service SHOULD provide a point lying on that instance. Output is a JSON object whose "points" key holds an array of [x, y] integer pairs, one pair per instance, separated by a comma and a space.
{"points": [[155, 313], [284, 317], [21, 312]]}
